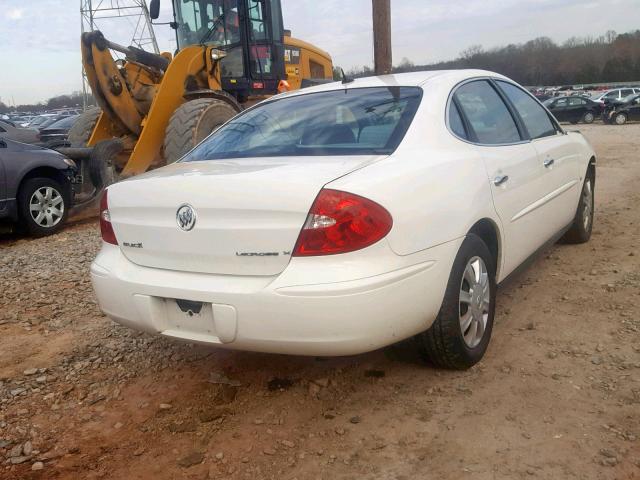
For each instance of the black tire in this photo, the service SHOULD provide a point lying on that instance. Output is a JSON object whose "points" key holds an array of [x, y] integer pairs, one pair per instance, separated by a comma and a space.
{"points": [[580, 231], [102, 165], [25, 195], [444, 343], [192, 122], [81, 131], [588, 117], [619, 118]]}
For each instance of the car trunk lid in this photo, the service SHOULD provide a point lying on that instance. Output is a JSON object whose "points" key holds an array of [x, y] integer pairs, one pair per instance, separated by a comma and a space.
{"points": [[248, 212]]}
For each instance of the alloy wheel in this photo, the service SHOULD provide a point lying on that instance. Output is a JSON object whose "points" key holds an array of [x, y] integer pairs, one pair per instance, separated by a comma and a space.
{"points": [[475, 300], [46, 207]]}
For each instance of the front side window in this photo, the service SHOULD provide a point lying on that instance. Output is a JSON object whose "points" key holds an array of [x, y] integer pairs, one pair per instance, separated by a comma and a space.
{"points": [[574, 101], [534, 117], [488, 115], [358, 121]]}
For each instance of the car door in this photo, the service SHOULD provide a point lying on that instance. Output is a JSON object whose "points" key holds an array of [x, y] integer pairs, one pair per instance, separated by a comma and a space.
{"points": [[560, 161], [512, 167], [634, 109], [560, 109], [575, 109]]}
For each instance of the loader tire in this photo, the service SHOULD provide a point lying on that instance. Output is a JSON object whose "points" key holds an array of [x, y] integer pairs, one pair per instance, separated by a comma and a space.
{"points": [[192, 122], [81, 131], [102, 169]]}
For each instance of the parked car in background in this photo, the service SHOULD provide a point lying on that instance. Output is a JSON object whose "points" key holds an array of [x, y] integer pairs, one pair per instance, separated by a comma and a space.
{"points": [[50, 121], [40, 119], [58, 131], [615, 94], [621, 112], [35, 187], [9, 131], [574, 109], [345, 217]]}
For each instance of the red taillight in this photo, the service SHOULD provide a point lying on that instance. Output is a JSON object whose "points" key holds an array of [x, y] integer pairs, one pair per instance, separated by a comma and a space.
{"points": [[341, 222], [108, 235]]}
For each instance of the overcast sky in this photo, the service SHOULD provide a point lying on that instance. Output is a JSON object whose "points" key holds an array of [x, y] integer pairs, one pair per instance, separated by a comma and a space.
{"points": [[40, 54]]}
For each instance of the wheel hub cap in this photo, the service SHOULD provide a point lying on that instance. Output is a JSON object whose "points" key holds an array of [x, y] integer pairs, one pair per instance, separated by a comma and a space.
{"points": [[475, 299], [46, 207]]}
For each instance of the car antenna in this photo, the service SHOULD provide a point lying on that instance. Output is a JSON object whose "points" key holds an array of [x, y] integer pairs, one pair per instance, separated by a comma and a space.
{"points": [[345, 79]]}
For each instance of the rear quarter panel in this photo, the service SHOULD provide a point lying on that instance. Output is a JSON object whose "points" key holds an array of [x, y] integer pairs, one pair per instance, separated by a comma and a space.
{"points": [[435, 186]]}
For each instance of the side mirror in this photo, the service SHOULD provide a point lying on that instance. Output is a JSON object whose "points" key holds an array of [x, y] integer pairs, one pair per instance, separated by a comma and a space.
{"points": [[3, 144], [154, 9]]}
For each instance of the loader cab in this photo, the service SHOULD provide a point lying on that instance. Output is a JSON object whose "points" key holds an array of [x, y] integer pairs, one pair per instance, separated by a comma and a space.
{"points": [[249, 31]]}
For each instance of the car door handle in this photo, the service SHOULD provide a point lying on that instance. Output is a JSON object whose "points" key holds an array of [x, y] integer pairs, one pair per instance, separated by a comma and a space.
{"points": [[548, 162], [500, 179]]}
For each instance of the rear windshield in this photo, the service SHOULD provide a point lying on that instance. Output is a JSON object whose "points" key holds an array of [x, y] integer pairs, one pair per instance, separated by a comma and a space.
{"points": [[357, 121]]}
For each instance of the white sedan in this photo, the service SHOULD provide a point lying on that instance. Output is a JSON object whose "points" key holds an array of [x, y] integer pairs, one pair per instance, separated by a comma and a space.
{"points": [[346, 217]]}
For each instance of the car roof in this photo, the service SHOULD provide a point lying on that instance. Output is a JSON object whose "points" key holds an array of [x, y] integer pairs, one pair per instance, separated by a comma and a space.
{"points": [[411, 79]]}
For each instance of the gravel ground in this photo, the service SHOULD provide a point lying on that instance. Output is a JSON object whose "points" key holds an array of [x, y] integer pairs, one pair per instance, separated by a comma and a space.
{"points": [[557, 396]]}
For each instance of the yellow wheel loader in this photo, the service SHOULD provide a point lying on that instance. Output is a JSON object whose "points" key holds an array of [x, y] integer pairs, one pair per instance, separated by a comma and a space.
{"points": [[155, 108]]}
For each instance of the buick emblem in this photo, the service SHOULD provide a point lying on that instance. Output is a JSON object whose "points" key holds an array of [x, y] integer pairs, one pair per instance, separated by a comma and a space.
{"points": [[186, 217]]}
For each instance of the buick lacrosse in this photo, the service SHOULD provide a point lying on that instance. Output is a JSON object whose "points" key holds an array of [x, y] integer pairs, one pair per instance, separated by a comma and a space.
{"points": [[346, 217]]}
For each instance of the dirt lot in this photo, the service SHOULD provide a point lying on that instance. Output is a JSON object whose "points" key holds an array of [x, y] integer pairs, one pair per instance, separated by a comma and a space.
{"points": [[557, 396]]}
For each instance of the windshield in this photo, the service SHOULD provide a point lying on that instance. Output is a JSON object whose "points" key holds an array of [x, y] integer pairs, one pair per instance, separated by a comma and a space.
{"points": [[214, 22], [548, 102], [359, 121]]}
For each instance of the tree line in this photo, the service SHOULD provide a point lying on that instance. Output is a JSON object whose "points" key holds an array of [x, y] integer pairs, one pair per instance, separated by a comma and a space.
{"points": [[73, 100], [608, 58]]}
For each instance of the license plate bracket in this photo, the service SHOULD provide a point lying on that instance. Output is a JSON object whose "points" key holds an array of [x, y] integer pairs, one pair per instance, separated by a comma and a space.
{"points": [[189, 307]]}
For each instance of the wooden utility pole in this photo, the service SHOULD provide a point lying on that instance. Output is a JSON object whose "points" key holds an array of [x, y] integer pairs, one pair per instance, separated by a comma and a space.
{"points": [[382, 36]]}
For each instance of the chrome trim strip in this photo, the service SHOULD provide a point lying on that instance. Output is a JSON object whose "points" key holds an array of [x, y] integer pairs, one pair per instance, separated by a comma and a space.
{"points": [[546, 199]]}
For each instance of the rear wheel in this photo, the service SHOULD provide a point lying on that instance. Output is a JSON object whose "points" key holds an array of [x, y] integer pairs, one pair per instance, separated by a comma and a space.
{"points": [[580, 231], [620, 118], [459, 337], [192, 122], [81, 131], [43, 206], [588, 117]]}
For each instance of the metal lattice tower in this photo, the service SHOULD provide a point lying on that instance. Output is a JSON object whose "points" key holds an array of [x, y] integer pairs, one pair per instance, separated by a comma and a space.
{"points": [[122, 21]]}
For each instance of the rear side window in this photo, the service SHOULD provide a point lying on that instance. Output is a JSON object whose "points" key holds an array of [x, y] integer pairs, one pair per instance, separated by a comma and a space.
{"points": [[488, 115], [455, 122], [534, 117]]}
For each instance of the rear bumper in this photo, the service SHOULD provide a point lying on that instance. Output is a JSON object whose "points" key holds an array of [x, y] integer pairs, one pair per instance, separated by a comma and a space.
{"points": [[281, 314]]}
